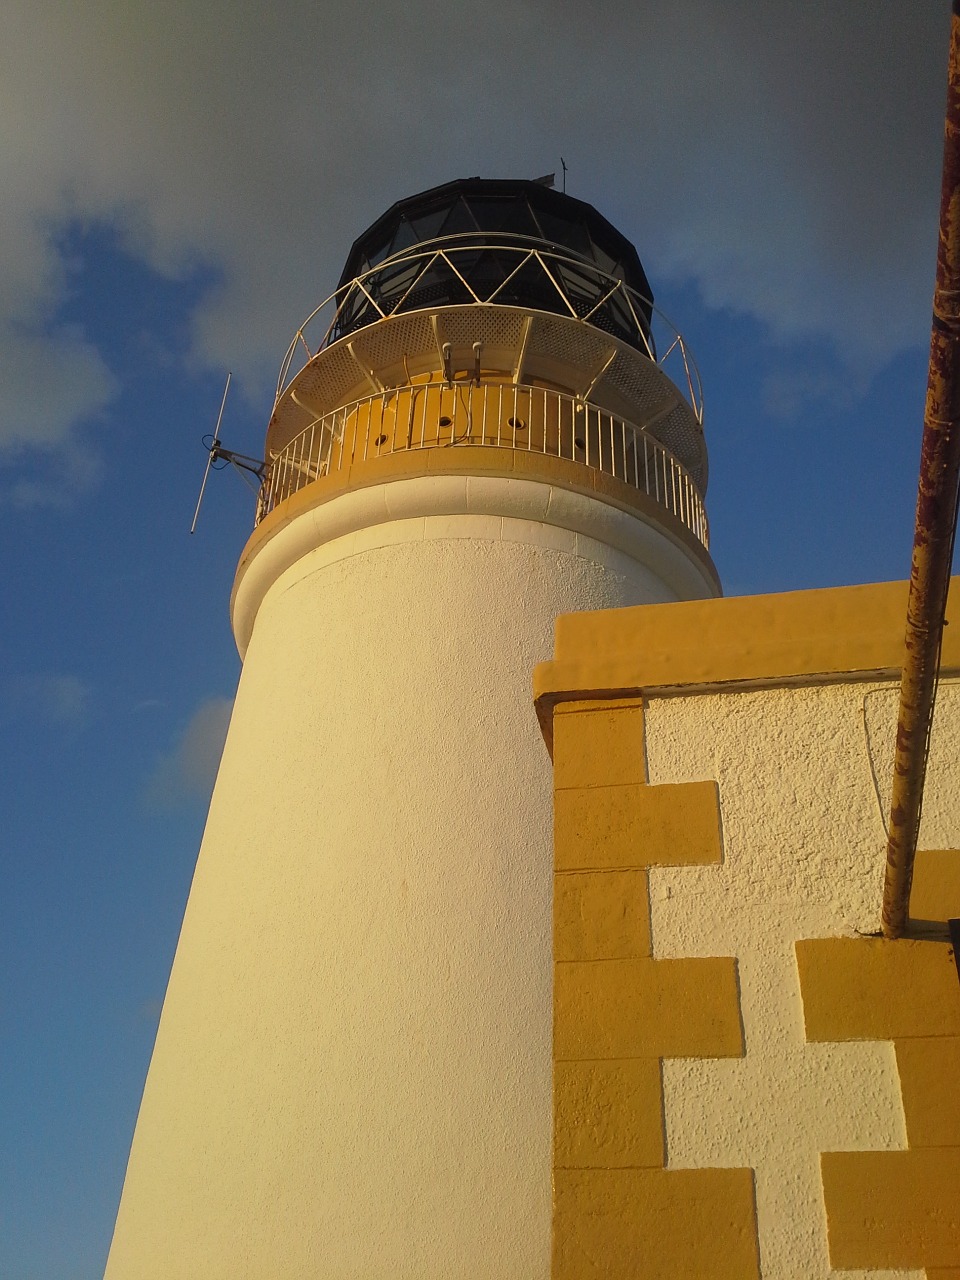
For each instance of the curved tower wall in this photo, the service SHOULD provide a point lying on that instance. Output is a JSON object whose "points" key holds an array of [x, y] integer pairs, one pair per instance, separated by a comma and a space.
{"points": [[352, 1073]]}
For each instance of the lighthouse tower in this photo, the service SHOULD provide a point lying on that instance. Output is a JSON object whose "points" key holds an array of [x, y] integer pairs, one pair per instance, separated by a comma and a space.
{"points": [[488, 424]]}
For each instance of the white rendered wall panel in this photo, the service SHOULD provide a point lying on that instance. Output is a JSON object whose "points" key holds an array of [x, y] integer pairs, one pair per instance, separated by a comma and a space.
{"points": [[803, 856]]}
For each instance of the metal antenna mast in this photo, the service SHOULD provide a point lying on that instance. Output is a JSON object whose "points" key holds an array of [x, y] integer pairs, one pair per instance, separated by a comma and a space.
{"points": [[216, 451]]}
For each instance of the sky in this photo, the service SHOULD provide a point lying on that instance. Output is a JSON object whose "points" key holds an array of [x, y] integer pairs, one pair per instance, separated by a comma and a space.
{"points": [[181, 185]]}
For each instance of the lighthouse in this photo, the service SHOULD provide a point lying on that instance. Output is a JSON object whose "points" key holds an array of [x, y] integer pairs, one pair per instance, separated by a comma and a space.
{"points": [[487, 424]]}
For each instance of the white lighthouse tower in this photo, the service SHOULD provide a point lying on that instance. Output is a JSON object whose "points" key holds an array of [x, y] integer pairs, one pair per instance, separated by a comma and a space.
{"points": [[351, 1076]]}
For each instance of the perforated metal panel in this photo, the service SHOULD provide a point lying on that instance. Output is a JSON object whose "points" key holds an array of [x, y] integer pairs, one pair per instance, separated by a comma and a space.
{"points": [[569, 341], [387, 343], [680, 432], [493, 326], [640, 382], [328, 378]]}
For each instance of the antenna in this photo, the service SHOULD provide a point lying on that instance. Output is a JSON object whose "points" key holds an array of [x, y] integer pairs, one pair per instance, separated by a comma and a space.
{"points": [[215, 451], [563, 165], [212, 454]]}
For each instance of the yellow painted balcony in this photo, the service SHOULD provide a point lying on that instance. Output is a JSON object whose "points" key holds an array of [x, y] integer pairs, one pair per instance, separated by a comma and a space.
{"points": [[504, 419]]}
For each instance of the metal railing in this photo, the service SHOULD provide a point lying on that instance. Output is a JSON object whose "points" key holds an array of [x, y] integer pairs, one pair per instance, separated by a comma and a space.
{"points": [[564, 285], [493, 415]]}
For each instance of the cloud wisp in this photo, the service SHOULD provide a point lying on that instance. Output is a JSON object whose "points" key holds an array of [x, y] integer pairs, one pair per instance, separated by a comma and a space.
{"points": [[49, 698], [788, 166], [185, 775]]}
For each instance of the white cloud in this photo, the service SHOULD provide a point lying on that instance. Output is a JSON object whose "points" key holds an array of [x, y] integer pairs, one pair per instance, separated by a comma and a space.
{"points": [[53, 478], [787, 162], [49, 382], [53, 698], [187, 773], [788, 393]]}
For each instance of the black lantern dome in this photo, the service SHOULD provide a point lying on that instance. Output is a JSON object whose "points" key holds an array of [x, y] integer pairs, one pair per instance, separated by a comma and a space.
{"points": [[515, 243]]}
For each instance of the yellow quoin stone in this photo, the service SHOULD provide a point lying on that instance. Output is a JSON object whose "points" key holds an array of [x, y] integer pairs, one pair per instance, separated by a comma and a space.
{"points": [[871, 989], [930, 1083], [598, 744], [601, 915], [935, 892], [888, 1209], [647, 1008], [620, 1224], [636, 826], [608, 1115]]}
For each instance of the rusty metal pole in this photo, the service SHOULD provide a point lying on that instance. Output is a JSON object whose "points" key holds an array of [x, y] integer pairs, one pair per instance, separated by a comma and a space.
{"points": [[934, 531]]}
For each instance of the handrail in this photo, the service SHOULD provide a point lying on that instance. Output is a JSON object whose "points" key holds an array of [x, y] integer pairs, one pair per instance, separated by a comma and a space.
{"points": [[326, 323], [502, 415]]}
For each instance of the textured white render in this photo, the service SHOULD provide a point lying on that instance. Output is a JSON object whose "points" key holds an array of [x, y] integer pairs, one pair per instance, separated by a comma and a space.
{"points": [[803, 848], [352, 1072], [522, 510]]}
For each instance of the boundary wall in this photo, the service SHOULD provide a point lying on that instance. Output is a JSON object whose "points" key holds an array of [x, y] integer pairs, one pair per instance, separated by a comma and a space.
{"points": [[748, 1080]]}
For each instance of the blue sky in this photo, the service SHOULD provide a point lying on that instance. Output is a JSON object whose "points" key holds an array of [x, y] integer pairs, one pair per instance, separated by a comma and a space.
{"points": [[180, 189]]}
